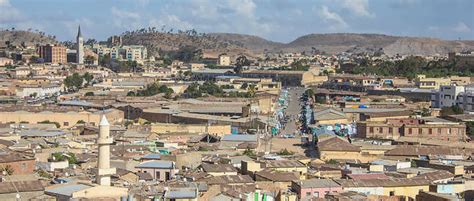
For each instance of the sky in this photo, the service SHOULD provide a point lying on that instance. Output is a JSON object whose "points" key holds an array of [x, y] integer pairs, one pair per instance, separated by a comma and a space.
{"points": [[277, 20]]}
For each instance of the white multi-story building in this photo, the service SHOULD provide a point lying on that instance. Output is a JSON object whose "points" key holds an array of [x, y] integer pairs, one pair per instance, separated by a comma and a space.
{"points": [[465, 99], [446, 96], [135, 52]]}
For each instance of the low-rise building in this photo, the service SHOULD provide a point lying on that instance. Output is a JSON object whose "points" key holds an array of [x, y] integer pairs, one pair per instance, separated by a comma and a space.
{"points": [[160, 170], [419, 128], [17, 163], [337, 148], [315, 188]]}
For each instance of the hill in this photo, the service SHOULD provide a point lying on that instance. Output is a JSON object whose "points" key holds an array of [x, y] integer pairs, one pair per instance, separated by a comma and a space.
{"points": [[391, 45], [28, 38]]}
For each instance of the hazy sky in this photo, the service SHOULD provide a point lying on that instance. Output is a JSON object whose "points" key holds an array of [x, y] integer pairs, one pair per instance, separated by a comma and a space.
{"points": [[278, 20]]}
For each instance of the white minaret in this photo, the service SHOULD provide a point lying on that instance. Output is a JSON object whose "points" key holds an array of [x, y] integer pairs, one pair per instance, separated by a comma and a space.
{"points": [[103, 165], [79, 47]]}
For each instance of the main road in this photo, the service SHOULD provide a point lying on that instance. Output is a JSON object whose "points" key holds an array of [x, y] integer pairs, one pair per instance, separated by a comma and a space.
{"points": [[293, 110]]}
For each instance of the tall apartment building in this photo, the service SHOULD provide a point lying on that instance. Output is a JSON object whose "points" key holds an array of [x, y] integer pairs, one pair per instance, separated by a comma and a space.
{"points": [[465, 99], [446, 96], [55, 54], [135, 52]]}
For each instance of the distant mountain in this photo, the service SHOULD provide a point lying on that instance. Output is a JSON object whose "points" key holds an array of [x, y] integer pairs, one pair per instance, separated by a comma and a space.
{"points": [[28, 38], [350, 42], [234, 44]]}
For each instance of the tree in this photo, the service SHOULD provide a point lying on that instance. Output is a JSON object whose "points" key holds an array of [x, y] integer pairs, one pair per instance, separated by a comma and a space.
{"points": [[446, 111], [131, 93], [285, 152], [89, 93], [251, 91], [59, 156], [240, 62], [88, 77], [244, 86], [249, 153], [73, 82], [309, 93], [7, 169], [50, 122], [89, 59]]}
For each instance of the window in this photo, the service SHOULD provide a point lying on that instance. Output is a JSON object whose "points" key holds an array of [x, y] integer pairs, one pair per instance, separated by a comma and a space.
{"points": [[381, 130], [409, 131], [392, 193], [449, 131], [371, 129], [316, 194], [308, 193], [430, 131], [66, 124], [390, 130], [420, 131], [439, 131]]}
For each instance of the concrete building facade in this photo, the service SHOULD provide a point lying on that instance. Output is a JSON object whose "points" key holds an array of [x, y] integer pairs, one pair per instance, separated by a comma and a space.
{"points": [[55, 54]]}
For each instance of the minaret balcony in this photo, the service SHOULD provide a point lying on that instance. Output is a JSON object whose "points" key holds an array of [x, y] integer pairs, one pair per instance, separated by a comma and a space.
{"points": [[106, 172], [105, 141]]}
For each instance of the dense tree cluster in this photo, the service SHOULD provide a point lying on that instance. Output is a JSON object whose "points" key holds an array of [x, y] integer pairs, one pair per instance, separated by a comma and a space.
{"points": [[196, 90], [152, 90], [76, 81], [411, 66]]}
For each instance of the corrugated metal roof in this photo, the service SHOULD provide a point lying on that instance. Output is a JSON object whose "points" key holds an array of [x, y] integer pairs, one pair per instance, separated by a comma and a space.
{"points": [[67, 190], [240, 138], [156, 164]]}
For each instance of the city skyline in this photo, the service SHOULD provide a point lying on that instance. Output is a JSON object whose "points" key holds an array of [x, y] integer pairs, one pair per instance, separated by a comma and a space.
{"points": [[281, 21]]}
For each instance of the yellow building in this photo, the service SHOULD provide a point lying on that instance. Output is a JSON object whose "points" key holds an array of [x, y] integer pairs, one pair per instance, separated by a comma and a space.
{"points": [[423, 82], [165, 128], [86, 191], [312, 77], [408, 188], [336, 148]]}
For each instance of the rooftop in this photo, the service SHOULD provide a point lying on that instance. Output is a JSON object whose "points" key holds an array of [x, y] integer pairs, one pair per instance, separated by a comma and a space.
{"points": [[317, 183], [239, 138], [218, 167], [337, 144], [157, 164]]}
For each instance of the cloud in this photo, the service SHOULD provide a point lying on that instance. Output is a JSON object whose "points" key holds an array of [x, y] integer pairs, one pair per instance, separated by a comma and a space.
{"points": [[172, 21], [9, 14], [243, 7], [461, 27], [334, 19], [358, 7], [125, 19]]}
